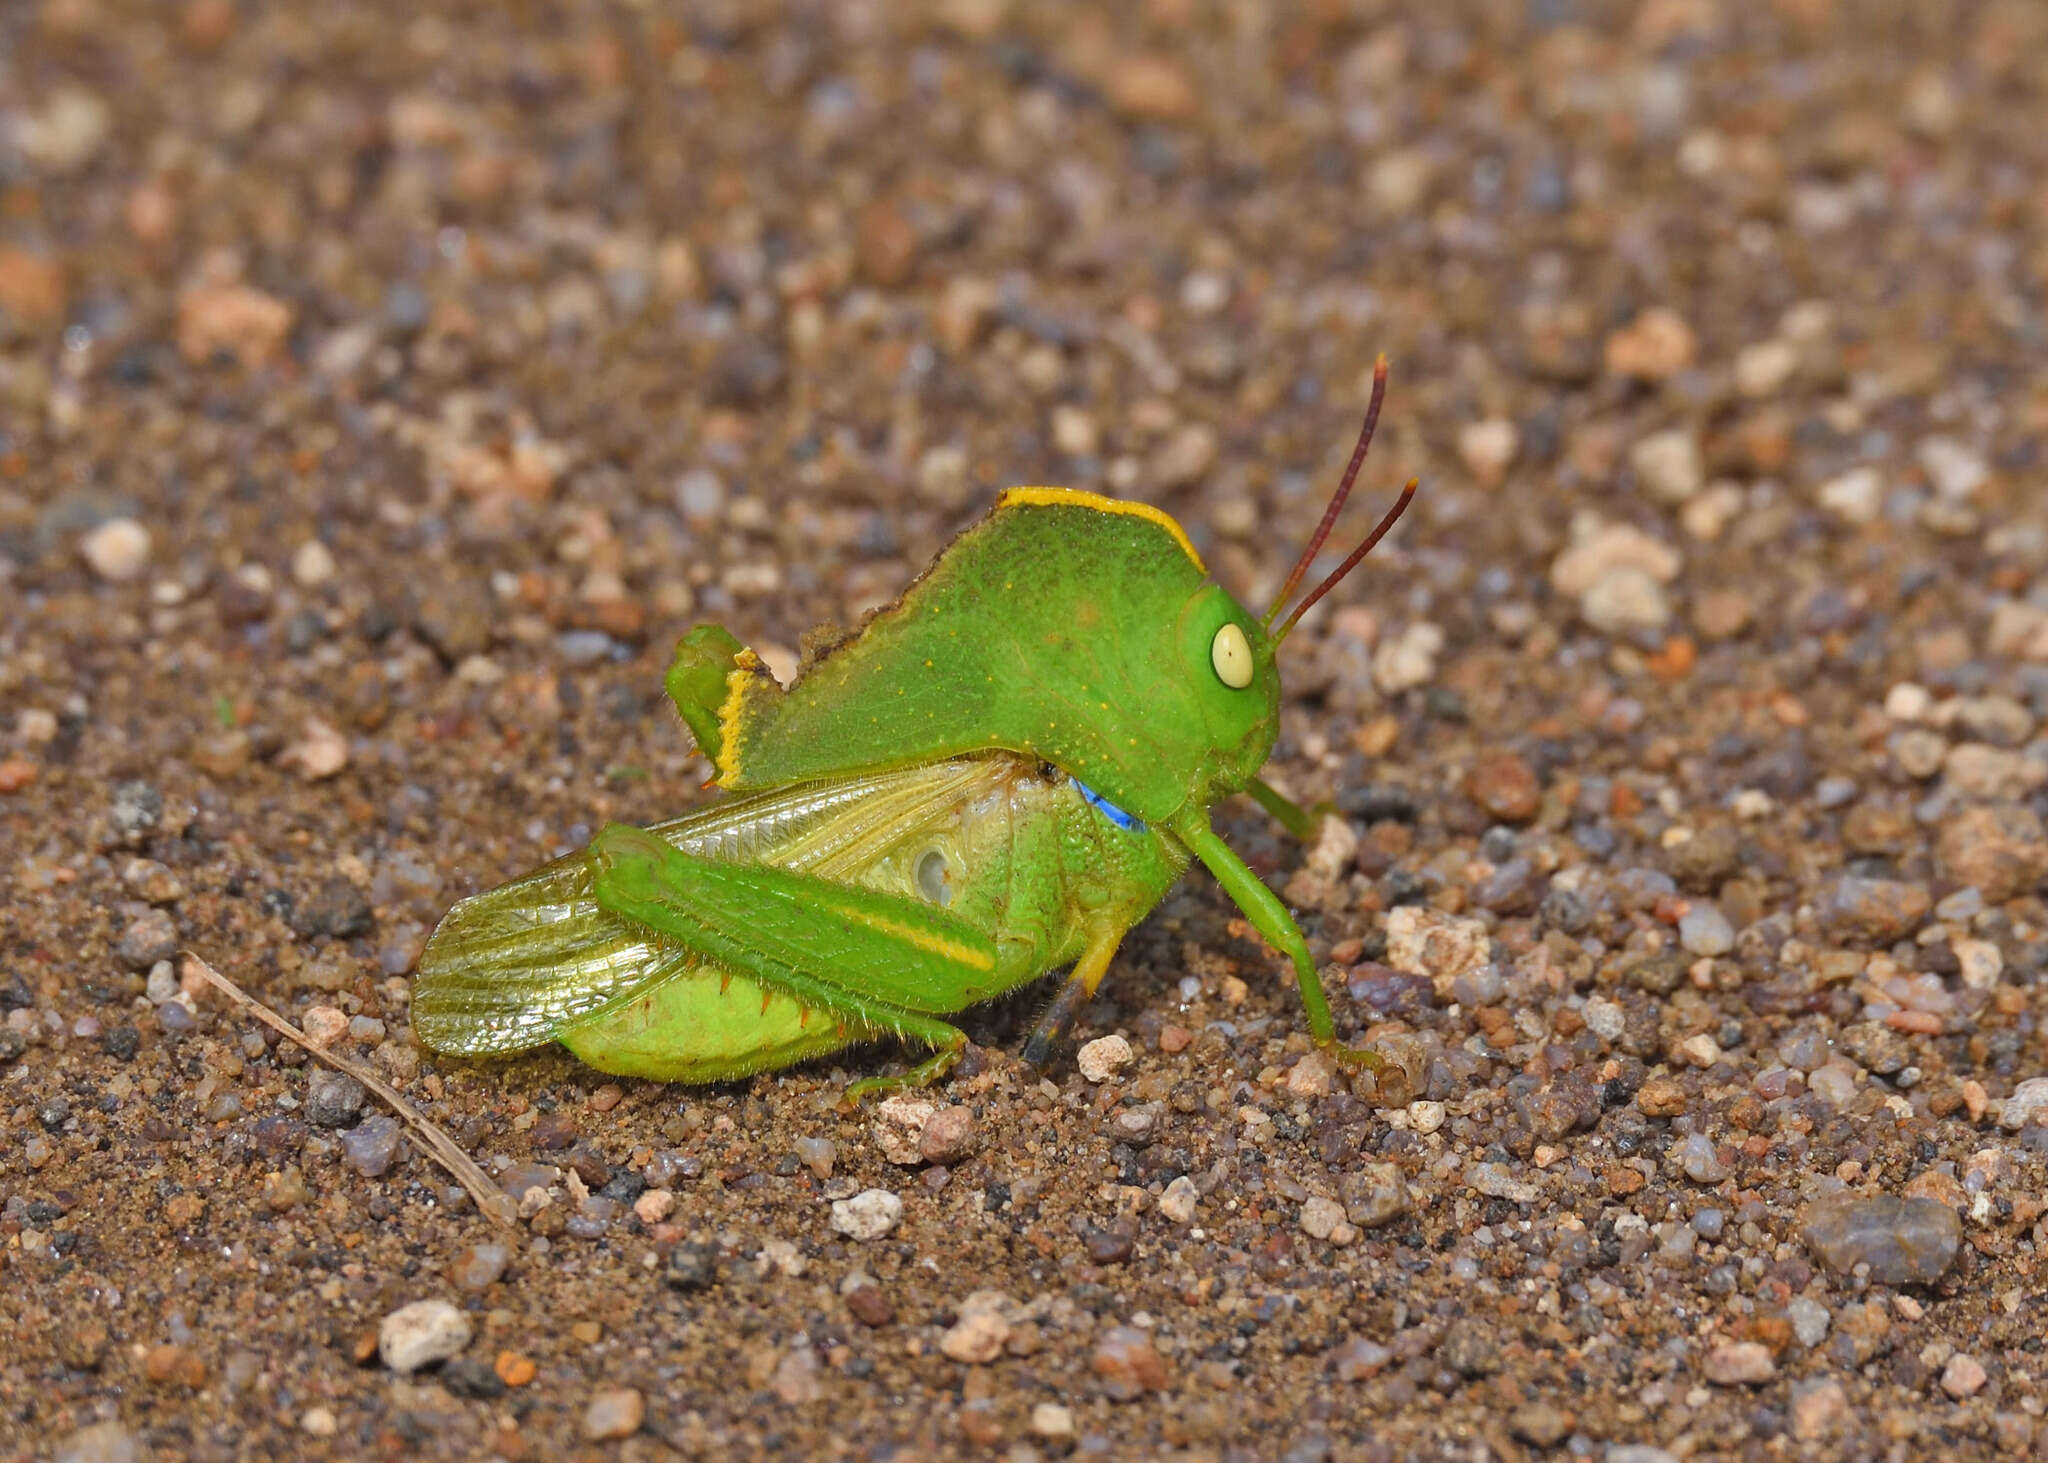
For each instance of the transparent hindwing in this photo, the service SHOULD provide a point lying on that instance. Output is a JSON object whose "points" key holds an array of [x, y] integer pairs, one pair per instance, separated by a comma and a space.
{"points": [[515, 966]]}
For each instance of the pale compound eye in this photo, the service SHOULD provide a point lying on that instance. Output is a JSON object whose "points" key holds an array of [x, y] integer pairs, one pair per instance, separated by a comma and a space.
{"points": [[1231, 654], [935, 878]]}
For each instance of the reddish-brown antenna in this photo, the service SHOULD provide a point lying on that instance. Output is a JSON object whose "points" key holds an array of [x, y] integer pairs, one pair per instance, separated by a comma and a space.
{"points": [[1315, 543], [1393, 516]]}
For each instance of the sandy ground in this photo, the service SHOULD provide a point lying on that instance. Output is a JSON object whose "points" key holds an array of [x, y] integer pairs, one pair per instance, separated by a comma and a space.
{"points": [[383, 388]]}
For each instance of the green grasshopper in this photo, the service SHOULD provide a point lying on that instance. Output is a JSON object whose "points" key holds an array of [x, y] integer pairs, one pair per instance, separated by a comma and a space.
{"points": [[995, 776]]}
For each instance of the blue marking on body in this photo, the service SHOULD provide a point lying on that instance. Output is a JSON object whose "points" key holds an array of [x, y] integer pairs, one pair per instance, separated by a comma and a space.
{"points": [[1107, 808]]}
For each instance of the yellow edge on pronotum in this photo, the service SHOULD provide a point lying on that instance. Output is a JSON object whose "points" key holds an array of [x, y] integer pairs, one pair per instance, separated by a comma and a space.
{"points": [[745, 666], [1082, 498]]}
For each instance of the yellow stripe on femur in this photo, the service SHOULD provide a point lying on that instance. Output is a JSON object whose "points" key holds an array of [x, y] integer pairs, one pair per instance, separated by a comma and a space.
{"points": [[745, 666], [927, 940], [1082, 498]]}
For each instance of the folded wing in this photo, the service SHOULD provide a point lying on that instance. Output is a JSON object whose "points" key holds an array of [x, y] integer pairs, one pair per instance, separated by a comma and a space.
{"points": [[515, 966]]}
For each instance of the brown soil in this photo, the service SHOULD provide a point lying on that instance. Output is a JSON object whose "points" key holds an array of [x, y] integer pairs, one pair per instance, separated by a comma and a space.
{"points": [[383, 388]]}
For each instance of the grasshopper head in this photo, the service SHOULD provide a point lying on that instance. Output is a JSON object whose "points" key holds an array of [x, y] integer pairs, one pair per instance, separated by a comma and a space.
{"points": [[1205, 704]]}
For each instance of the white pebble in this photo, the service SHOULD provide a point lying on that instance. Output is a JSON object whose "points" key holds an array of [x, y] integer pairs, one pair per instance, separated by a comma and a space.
{"points": [[2028, 1104], [899, 1123], [1052, 1420], [313, 564], [1909, 701], [162, 984], [1408, 660], [420, 1334], [323, 1026], [1704, 930], [1625, 599], [117, 550], [870, 1214], [1954, 469], [977, 1337], [1103, 1057], [1179, 1200], [1425, 941], [1982, 963], [1668, 465], [318, 1422], [1762, 369], [1854, 497], [1701, 1050], [1809, 1320], [1605, 1019], [1488, 447], [1319, 1216]]}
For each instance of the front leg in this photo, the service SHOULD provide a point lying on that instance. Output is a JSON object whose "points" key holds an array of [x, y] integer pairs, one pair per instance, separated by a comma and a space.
{"points": [[1270, 917], [1303, 823]]}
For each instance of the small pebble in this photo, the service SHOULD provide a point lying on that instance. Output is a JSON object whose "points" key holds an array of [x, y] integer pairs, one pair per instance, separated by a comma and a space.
{"points": [[1809, 1320], [819, 1155], [173, 1363], [1359, 1359], [1819, 1408], [949, 1135], [1103, 1058], [654, 1205], [370, 1146], [1426, 1116], [1964, 1376], [150, 939], [312, 563], [796, 1380], [868, 1215], [615, 1412], [1740, 1364], [421, 1334], [1506, 787], [899, 1125], [870, 1305], [1127, 1364], [978, 1336], [333, 1098], [2028, 1105], [1488, 447], [1879, 911], [1052, 1421], [117, 550], [1903, 1241], [1704, 930], [1320, 1217], [1668, 465], [477, 1267], [1541, 1423], [1856, 497], [1178, 1202], [1701, 1163], [1700, 1050], [1439, 945]]}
